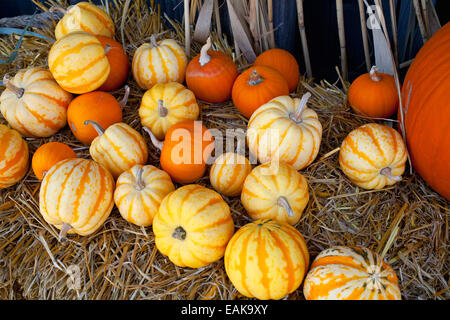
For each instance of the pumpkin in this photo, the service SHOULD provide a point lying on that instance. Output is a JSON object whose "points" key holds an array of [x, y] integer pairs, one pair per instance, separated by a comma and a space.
{"points": [[118, 148], [284, 62], [185, 150], [373, 156], [193, 226], [33, 103], [275, 190], [211, 74], [118, 62], [166, 104], [49, 154], [287, 130], [13, 157], [78, 62], [76, 196], [159, 62], [139, 193], [350, 273], [374, 95], [426, 106], [85, 16], [257, 86], [266, 259]]}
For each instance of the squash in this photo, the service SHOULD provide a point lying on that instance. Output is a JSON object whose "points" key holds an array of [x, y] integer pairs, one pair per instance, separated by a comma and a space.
{"points": [[257, 86], [275, 190], [139, 193], [266, 259], [287, 130], [118, 62], [373, 156], [159, 62], [33, 103], [350, 273], [49, 154], [78, 62], [193, 226], [13, 157], [166, 104], [211, 74]]}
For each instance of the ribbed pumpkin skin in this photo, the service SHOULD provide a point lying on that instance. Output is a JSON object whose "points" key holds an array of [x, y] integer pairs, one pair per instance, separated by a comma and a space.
{"points": [[87, 17], [266, 259], [49, 154], [78, 192], [139, 203], [263, 188], [350, 273], [163, 63], [369, 149], [118, 62], [273, 134], [180, 103], [204, 216], [41, 111], [13, 157], [426, 104], [78, 62]]}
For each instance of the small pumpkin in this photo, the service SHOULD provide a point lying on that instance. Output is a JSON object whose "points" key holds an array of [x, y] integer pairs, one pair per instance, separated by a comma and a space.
{"points": [[118, 62], [13, 157], [49, 154], [159, 62], [350, 273], [211, 74], [257, 86], [166, 104], [266, 259], [193, 226], [373, 156], [33, 103], [275, 190]]}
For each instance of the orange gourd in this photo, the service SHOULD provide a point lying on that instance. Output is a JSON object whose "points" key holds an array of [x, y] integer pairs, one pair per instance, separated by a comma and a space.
{"points": [[118, 62], [49, 154]]}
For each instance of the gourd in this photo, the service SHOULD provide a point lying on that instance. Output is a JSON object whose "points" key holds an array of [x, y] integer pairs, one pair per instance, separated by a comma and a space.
{"points": [[49, 154], [350, 273], [266, 259], [118, 62], [33, 103], [193, 226], [373, 156], [139, 192]]}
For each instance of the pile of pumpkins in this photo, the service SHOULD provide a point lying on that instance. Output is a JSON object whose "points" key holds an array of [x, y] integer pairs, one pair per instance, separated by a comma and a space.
{"points": [[192, 224]]}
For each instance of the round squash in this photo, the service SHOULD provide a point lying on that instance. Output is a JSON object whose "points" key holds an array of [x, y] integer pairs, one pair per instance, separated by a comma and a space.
{"points": [[49, 154], [118, 62]]}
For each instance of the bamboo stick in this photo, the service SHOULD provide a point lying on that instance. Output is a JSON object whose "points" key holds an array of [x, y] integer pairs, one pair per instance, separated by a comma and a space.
{"points": [[362, 16], [420, 20], [187, 32], [270, 12], [393, 13], [217, 16], [301, 26], [341, 29]]}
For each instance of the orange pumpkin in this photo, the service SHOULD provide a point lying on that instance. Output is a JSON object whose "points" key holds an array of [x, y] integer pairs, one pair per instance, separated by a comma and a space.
{"points": [[49, 154], [118, 62]]}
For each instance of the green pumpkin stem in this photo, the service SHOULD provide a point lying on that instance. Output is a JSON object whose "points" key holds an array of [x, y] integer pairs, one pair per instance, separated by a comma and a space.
{"points": [[96, 125], [11, 87], [204, 56], [282, 201]]}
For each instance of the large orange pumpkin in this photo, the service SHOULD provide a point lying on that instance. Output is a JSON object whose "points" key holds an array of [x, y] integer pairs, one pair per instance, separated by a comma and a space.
{"points": [[118, 62], [49, 154]]}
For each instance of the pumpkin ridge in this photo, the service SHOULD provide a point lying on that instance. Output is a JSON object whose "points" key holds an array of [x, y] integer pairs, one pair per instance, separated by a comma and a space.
{"points": [[63, 188], [40, 117], [99, 17], [79, 193], [289, 268], [262, 265], [368, 130]]}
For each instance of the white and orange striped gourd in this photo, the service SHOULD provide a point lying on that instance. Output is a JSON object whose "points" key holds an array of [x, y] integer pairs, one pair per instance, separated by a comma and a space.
{"points": [[266, 259], [76, 196], [33, 103], [373, 156], [139, 192], [350, 273], [193, 226]]}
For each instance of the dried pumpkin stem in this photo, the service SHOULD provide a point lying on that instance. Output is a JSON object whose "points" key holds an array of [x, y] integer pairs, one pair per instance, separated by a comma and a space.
{"points": [[96, 126], [387, 172], [124, 100], [107, 48], [373, 74], [163, 111], [139, 182], [297, 115], [153, 41], [282, 201], [158, 144], [11, 87], [179, 233], [255, 78], [204, 56], [64, 229]]}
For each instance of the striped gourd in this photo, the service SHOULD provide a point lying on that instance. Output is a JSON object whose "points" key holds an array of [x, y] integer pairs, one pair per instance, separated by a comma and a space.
{"points": [[350, 273], [78, 62], [139, 192], [76, 196], [34, 104], [266, 259], [193, 226], [373, 156], [13, 157]]}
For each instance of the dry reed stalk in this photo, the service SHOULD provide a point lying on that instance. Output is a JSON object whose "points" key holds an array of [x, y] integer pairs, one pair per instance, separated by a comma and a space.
{"points": [[419, 17], [301, 26], [217, 17], [362, 17], [272, 33], [341, 30], [393, 13], [187, 29]]}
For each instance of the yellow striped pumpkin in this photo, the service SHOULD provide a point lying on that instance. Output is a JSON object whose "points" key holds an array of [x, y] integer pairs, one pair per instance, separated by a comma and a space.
{"points": [[266, 259], [139, 192], [275, 191], [193, 226], [34, 104], [285, 129], [78, 62], [166, 104], [350, 273], [159, 62], [76, 196], [373, 156], [13, 157]]}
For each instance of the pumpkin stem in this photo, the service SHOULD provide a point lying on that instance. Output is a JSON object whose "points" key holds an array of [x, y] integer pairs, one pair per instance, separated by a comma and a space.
{"points": [[8, 84], [96, 126], [282, 201], [158, 144], [139, 182], [64, 229], [107, 48], [373, 74], [153, 41], [124, 100], [297, 115], [179, 233], [388, 173], [255, 78], [163, 111], [204, 56]]}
